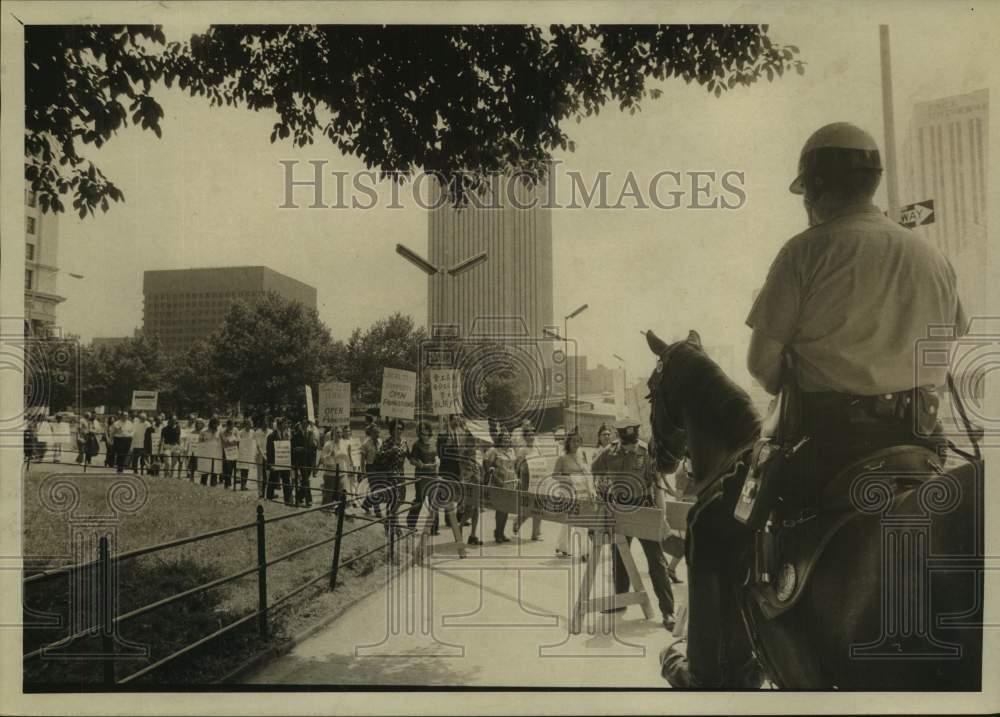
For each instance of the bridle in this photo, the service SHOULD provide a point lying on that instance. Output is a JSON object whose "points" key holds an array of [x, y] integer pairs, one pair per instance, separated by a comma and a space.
{"points": [[677, 434]]}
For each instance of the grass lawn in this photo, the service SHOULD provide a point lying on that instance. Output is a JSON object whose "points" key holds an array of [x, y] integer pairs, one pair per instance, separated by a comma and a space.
{"points": [[164, 509]]}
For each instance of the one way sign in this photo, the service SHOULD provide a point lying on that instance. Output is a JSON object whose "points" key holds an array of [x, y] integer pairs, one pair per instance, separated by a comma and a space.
{"points": [[917, 214]]}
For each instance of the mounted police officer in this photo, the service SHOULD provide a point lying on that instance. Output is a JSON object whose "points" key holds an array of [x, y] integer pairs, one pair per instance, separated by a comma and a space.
{"points": [[836, 328], [625, 474]]}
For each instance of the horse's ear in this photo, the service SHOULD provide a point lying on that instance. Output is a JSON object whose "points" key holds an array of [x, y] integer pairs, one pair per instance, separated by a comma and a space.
{"points": [[656, 344], [694, 338]]}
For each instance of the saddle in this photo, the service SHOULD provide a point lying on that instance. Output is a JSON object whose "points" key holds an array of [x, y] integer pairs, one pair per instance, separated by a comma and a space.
{"points": [[791, 542]]}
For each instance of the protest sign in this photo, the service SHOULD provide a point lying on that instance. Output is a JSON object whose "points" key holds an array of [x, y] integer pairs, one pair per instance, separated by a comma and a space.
{"points": [[282, 453], [446, 391], [232, 453], [399, 393], [310, 412], [334, 404], [144, 400]]}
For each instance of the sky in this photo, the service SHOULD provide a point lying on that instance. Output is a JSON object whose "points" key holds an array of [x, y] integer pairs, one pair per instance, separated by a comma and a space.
{"points": [[208, 194]]}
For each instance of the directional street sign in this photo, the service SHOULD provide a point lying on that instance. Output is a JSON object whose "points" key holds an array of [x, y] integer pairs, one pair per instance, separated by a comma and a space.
{"points": [[917, 214]]}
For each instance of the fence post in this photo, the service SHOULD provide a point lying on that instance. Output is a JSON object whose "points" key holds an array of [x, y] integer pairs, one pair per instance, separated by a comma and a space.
{"points": [[261, 574], [105, 610], [341, 509]]}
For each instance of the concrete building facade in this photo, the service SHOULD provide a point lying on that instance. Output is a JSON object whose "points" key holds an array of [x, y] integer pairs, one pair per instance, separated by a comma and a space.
{"points": [[945, 158], [515, 282], [181, 306], [41, 267]]}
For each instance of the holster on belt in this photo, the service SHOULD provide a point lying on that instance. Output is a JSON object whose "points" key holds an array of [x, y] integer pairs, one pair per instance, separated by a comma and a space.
{"points": [[789, 429]]}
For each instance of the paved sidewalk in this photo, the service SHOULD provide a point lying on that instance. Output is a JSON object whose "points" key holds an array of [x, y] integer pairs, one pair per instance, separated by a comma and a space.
{"points": [[497, 618]]}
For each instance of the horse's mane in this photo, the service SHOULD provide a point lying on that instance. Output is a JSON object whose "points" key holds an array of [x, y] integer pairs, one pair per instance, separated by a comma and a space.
{"points": [[713, 402]]}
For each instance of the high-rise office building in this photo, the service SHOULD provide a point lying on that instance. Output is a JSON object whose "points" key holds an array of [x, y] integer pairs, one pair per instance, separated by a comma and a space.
{"points": [[41, 256], [515, 282], [182, 306], [945, 160]]}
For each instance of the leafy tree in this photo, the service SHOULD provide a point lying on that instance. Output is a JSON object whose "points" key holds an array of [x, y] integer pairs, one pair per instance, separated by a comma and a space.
{"points": [[393, 342], [109, 374], [462, 101], [266, 351], [78, 81], [193, 382]]}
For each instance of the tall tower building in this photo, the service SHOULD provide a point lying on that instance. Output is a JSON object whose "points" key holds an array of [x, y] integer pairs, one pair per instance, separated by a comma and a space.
{"points": [[945, 160], [515, 283], [41, 256]]}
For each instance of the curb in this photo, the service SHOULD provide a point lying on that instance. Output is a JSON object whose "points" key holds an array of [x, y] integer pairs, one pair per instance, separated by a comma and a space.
{"points": [[283, 648]]}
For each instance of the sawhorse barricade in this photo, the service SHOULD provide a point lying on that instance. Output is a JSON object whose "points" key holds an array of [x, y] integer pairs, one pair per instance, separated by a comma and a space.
{"points": [[607, 526]]}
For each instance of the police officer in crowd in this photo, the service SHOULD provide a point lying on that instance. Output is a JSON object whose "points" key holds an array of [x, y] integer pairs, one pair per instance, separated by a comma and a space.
{"points": [[625, 475]]}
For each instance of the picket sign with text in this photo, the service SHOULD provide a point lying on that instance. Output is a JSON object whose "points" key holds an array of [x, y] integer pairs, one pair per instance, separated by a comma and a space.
{"points": [[282, 453], [399, 393], [310, 412], [232, 453], [144, 400], [446, 391], [334, 404]]}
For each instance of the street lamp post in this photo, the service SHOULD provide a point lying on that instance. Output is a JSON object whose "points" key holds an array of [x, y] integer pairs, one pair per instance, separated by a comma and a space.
{"points": [[573, 314], [624, 364], [433, 270]]}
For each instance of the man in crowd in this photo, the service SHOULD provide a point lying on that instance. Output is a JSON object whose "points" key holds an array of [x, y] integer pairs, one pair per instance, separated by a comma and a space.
{"points": [[625, 474], [121, 435], [526, 453], [304, 449], [456, 450], [171, 438], [390, 465], [369, 451], [139, 427], [278, 472]]}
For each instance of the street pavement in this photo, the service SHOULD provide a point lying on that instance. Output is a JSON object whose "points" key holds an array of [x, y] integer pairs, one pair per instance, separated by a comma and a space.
{"points": [[497, 618]]}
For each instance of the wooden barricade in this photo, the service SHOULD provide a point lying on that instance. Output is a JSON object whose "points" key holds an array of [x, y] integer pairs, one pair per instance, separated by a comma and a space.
{"points": [[607, 526]]}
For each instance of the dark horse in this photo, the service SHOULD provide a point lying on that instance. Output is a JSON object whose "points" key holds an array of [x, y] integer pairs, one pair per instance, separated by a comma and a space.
{"points": [[894, 600]]}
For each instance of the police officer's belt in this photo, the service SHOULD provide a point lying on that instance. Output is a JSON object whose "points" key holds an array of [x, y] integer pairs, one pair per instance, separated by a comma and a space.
{"points": [[825, 406]]}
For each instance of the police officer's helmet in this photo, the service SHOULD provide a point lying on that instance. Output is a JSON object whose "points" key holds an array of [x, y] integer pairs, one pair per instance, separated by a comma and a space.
{"points": [[837, 155], [628, 430]]}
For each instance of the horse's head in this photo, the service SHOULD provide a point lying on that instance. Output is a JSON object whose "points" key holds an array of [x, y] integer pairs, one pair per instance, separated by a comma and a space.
{"points": [[670, 437]]}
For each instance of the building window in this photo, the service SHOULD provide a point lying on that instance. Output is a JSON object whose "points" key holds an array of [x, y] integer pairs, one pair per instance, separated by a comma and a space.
{"points": [[31, 225], [28, 277], [32, 199], [29, 252]]}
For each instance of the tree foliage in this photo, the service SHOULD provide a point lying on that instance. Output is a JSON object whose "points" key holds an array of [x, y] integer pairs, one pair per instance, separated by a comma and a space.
{"points": [[266, 351], [393, 342], [460, 101]]}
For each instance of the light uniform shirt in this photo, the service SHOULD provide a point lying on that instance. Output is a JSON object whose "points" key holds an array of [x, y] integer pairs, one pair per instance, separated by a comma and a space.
{"points": [[854, 299]]}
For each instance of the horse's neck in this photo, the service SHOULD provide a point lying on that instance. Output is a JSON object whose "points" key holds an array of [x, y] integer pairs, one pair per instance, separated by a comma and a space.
{"points": [[711, 450]]}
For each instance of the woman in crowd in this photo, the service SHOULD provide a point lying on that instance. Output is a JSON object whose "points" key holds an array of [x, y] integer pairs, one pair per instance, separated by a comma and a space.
{"points": [[498, 465], [230, 438], [571, 478], [210, 453], [338, 466], [424, 459], [369, 452], [603, 439], [191, 438], [247, 454]]}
